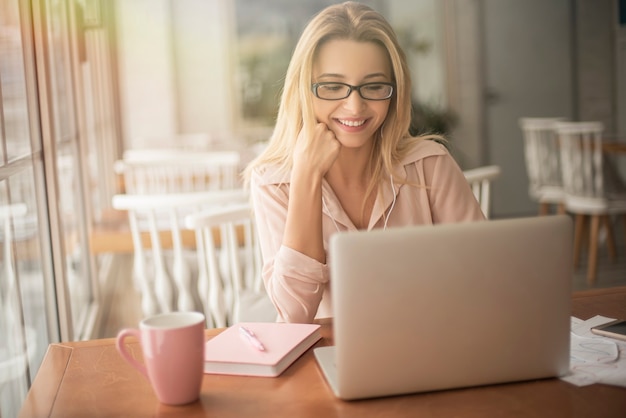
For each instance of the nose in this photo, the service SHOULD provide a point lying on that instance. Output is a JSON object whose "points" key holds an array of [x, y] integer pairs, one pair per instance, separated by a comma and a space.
{"points": [[354, 101]]}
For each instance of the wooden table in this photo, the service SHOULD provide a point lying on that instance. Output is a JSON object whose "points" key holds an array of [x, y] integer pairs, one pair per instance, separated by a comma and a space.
{"points": [[90, 379], [614, 147], [112, 235]]}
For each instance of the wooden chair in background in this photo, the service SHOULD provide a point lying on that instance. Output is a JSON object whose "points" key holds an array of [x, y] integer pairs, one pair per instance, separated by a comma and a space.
{"points": [[591, 190], [165, 285], [162, 186], [229, 279], [480, 180], [541, 152], [176, 171]]}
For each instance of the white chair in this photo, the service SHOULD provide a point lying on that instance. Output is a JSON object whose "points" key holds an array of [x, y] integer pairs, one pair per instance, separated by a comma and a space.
{"points": [[480, 180], [176, 171], [154, 180], [229, 280], [541, 152], [161, 217], [591, 188]]}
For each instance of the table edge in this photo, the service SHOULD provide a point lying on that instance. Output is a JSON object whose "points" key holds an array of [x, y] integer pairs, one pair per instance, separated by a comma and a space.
{"points": [[40, 399], [598, 292]]}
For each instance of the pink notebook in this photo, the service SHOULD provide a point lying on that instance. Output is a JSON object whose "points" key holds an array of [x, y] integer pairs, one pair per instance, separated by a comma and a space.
{"points": [[231, 352]]}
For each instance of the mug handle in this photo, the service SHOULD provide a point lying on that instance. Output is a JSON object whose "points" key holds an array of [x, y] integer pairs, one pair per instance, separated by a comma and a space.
{"points": [[121, 348]]}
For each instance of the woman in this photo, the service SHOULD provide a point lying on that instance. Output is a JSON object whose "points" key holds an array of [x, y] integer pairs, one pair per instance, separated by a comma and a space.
{"points": [[341, 157]]}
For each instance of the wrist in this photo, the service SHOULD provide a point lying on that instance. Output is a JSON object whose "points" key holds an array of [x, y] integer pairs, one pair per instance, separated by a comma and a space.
{"points": [[306, 177]]}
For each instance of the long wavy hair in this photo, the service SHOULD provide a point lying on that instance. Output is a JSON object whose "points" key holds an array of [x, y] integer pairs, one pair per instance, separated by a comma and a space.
{"points": [[346, 21]]}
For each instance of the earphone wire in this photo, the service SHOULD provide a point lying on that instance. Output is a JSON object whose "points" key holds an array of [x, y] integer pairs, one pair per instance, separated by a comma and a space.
{"points": [[393, 203], [393, 188]]}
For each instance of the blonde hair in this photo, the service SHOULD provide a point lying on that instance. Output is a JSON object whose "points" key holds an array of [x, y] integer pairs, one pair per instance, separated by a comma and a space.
{"points": [[347, 21]]}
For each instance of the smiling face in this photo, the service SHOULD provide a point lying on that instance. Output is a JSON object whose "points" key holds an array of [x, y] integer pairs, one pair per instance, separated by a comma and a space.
{"points": [[353, 120]]}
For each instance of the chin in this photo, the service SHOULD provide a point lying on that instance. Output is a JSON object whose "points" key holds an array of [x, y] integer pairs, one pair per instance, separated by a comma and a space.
{"points": [[351, 141]]}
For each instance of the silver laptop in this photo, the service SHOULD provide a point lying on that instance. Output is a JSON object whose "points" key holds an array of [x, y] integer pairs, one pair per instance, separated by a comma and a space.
{"points": [[428, 308]]}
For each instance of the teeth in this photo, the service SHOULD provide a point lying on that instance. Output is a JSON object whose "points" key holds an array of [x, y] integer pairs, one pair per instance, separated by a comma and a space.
{"points": [[352, 123]]}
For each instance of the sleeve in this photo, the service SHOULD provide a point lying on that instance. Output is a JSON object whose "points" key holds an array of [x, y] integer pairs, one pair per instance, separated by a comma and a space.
{"points": [[294, 282], [451, 198]]}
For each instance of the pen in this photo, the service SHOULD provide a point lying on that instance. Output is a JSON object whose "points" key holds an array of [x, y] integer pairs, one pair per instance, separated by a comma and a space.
{"points": [[251, 337]]}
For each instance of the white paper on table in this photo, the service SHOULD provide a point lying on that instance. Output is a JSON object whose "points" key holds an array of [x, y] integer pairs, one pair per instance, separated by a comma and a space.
{"points": [[594, 358]]}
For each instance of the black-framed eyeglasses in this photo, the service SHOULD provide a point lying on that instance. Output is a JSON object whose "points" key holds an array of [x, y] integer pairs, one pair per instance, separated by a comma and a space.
{"points": [[338, 91]]}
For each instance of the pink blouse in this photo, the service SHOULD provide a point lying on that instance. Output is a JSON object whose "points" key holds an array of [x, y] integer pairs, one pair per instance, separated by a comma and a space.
{"points": [[299, 285]]}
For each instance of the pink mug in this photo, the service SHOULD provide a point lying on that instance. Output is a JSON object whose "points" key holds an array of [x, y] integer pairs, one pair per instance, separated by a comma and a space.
{"points": [[173, 351]]}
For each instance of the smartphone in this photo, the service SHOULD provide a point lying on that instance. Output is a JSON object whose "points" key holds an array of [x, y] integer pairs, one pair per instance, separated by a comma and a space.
{"points": [[615, 329]]}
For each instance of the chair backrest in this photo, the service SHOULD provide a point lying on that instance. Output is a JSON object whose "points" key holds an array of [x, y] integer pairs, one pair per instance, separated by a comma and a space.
{"points": [[177, 171], [480, 180], [229, 279], [542, 159], [161, 217], [582, 162]]}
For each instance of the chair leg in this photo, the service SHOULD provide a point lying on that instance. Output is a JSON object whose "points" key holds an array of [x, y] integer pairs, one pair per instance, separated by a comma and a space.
{"points": [[560, 209], [610, 238], [578, 238], [624, 221], [593, 249], [544, 209]]}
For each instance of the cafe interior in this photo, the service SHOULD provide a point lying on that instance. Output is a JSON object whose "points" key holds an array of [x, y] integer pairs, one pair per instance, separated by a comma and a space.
{"points": [[125, 125]]}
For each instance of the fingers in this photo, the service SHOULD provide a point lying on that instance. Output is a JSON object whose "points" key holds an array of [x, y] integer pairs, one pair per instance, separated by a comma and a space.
{"points": [[316, 152]]}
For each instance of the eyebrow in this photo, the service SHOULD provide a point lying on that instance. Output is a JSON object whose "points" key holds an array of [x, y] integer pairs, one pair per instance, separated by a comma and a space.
{"points": [[367, 77]]}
